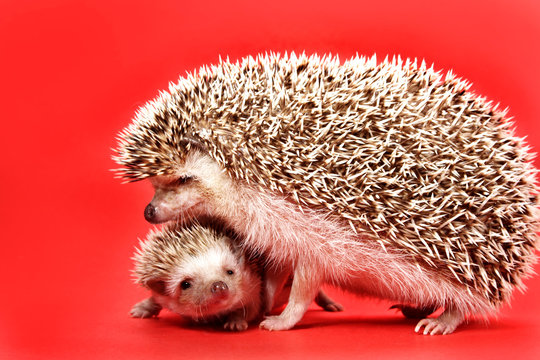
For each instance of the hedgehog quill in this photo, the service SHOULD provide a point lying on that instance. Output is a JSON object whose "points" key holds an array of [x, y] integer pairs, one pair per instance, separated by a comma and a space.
{"points": [[389, 180]]}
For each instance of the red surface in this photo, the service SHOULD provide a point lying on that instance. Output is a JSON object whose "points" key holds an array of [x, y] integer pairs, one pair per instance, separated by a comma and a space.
{"points": [[73, 73]]}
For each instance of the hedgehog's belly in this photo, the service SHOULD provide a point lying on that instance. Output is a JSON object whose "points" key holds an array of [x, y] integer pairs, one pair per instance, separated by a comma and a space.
{"points": [[406, 287], [406, 283], [328, 251]]}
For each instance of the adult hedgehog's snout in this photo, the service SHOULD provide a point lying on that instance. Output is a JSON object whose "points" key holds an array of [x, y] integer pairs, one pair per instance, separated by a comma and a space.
{"points": [[150, 214]]}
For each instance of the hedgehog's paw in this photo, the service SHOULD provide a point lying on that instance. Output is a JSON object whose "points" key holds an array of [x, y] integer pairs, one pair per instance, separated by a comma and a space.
{"points": [[236, 324], [327, 303], [443, 325], [333, 307], [276, 323], [145, 309]]}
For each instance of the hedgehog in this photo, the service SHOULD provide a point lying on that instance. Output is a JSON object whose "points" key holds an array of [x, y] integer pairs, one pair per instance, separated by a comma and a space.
{"points": [[386, 179], [199, 272]]}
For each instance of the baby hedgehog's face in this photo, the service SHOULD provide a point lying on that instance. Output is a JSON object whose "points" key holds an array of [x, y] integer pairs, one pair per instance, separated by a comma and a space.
{"points": [[212, 283], [194, 191]]}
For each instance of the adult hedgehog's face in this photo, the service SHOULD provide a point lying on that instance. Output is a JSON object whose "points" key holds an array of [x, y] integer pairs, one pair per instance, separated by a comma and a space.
{"points": [[165, 145], [194, 190]]}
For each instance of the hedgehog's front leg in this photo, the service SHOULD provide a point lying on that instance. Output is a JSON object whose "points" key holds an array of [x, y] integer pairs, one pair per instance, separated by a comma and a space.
{"points": [[305, 286], [146, 309], [445, 324]]}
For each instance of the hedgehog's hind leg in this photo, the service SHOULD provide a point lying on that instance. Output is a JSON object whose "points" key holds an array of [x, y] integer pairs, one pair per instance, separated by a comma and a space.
{"points": [[445, 324], [411, 312], [327, 303]]}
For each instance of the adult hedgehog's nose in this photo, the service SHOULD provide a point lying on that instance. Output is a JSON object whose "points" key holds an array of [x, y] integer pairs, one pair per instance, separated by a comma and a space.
{"points": [[150, 213], [219, 288]]}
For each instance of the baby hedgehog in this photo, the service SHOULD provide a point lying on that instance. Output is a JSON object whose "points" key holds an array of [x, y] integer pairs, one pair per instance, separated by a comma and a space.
{"points": [[198, 271], [388, 180]]}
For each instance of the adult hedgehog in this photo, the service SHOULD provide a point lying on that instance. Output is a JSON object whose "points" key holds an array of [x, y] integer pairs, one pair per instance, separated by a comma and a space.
{"points": [[388, 180]]}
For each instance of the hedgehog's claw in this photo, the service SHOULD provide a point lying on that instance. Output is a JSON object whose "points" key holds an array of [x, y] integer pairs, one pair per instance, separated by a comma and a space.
{"points": [[443, 325], [276, 323]]}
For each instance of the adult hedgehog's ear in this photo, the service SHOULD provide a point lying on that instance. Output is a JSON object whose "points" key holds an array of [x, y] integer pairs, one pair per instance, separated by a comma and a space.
{"points": [[157, 285]]}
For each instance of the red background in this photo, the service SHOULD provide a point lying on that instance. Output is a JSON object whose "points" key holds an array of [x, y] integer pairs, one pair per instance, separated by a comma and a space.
{"points": [[72, 75]]}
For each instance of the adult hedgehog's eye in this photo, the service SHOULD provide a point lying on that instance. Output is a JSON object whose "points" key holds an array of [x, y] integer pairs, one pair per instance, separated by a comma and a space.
{"points": [[185, 285], [182, 180]]}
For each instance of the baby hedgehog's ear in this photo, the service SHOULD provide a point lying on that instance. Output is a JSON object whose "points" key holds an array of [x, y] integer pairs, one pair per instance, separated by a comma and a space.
{"points": [[157, 285]]}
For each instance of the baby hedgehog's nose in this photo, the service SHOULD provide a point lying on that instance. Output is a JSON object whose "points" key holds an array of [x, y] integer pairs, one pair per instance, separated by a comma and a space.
{"points": [[219, 287]]}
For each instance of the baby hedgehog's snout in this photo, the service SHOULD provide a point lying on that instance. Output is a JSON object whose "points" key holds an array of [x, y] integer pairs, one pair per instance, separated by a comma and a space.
{"points": [[220, 289]]}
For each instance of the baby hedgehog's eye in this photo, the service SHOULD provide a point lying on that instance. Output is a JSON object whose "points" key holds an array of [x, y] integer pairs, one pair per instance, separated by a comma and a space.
{"points": [[185, 285], [230, 272]]}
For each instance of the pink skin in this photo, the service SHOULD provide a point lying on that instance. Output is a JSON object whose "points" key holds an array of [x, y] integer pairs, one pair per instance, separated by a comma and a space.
{"points": [[309, 244]]}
